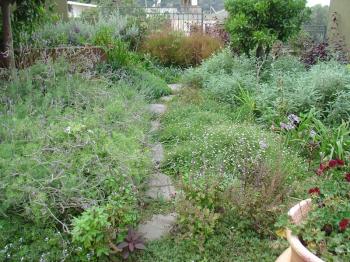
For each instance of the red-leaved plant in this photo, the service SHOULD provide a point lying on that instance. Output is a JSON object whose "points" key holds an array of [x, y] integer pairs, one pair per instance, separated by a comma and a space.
{"points": [[133, 241]]}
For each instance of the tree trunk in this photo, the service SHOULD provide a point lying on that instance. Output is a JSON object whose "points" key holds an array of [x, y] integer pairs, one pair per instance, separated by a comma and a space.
{"points": [[7, 44], [259, 51]]}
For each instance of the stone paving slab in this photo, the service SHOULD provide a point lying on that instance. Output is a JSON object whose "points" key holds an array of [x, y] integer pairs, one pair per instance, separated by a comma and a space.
{"points": [[175, 87], [159, 179], [167, 98], [158, 226], [160, 187], [158, 109], [165, 193], [157, 153], [155, 126]]}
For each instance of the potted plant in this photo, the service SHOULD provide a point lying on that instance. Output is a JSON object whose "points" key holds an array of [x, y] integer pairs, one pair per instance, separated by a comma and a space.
{"points": [[320, 229]]}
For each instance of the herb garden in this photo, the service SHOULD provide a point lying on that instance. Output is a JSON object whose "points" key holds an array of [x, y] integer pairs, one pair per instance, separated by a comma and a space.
{"points": [[168, 146]]}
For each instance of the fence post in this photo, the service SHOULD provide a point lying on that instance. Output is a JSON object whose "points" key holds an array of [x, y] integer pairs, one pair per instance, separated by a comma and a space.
{"points": [[202, 21]]}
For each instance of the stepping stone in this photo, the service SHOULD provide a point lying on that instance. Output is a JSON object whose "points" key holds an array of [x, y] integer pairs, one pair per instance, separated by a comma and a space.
{"points": [[165, 193], [157, 153], [158, 226], [155, 126], [158, 109], [159, 179], [161, 187], [167, 98], [175, 87]]}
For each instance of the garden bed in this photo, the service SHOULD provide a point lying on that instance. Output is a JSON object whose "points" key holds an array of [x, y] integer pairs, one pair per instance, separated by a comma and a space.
{"points": [[28, 57]]}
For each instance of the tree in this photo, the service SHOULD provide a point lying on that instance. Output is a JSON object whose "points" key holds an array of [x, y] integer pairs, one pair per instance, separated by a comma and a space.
{"points": [[257, 24], [7, 39], [19, 16], [319, 15]]}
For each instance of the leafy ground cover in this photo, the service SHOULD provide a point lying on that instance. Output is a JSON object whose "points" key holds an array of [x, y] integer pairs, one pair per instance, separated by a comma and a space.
{"points": [[72, 159]]}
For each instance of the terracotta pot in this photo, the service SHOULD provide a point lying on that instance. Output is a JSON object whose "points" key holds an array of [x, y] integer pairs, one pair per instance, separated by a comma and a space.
{"points": [[297, 252]]}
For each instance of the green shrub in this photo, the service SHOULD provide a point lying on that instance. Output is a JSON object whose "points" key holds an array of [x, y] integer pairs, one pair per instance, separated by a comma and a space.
{"points": [[290, 64], [77, 32], [257, 24], [196, 224], [174, 48], [324, 88], [221, 148], [91, 231], [230, 172], [229, 88], [69, 144], [119, 56], [285, 87], [170, 74], [147, 83], [222, 63]]}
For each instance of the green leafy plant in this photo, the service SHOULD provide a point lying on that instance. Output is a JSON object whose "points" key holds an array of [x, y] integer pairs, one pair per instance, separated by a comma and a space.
{"points": [[90, 231], [256, 24], [147, 83], [315, 139], [324, 87], [221, 64], [196, 223], [170, 74]]}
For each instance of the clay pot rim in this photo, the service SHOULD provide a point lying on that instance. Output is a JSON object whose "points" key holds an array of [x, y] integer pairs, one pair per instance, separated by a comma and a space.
{"points": [[294, 241]]}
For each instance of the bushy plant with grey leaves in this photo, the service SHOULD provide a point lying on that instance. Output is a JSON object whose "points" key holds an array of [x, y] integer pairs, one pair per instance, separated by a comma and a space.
{"points": [[78, 32], [285, 86]]}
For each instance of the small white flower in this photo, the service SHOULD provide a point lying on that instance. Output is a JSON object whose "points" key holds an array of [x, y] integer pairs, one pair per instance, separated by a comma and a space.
{"points": [[313, 133], [68, 130]]}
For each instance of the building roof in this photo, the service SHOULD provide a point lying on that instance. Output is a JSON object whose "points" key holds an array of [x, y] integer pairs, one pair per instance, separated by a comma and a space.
{"points": [[219, 15], [80, 4]]}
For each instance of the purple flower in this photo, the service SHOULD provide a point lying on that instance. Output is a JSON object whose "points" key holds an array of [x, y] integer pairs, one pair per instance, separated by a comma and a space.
{"points": [[295, 120], [287, 126], [263, 144]]}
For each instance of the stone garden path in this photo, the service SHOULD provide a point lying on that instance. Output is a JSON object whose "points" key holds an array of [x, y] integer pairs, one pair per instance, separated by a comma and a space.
{"points": [[160, 186]]}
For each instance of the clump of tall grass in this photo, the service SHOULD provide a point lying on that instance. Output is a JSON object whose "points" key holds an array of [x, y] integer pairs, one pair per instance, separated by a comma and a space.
{"points": [[175, 48]]}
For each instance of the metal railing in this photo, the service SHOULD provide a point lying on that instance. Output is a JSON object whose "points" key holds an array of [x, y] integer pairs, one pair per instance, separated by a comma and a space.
{"points": [[318, 33], [183, 19]]}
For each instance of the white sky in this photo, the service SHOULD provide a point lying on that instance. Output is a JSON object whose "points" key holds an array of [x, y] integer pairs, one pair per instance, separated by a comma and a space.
{"points": [[315, 2]]}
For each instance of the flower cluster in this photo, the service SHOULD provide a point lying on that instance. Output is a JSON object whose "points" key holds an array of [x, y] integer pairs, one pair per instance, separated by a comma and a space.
{"points": [[329, 220], [294, 122], [343, 224], [314, 190], [347, 177], [333, 163]]}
